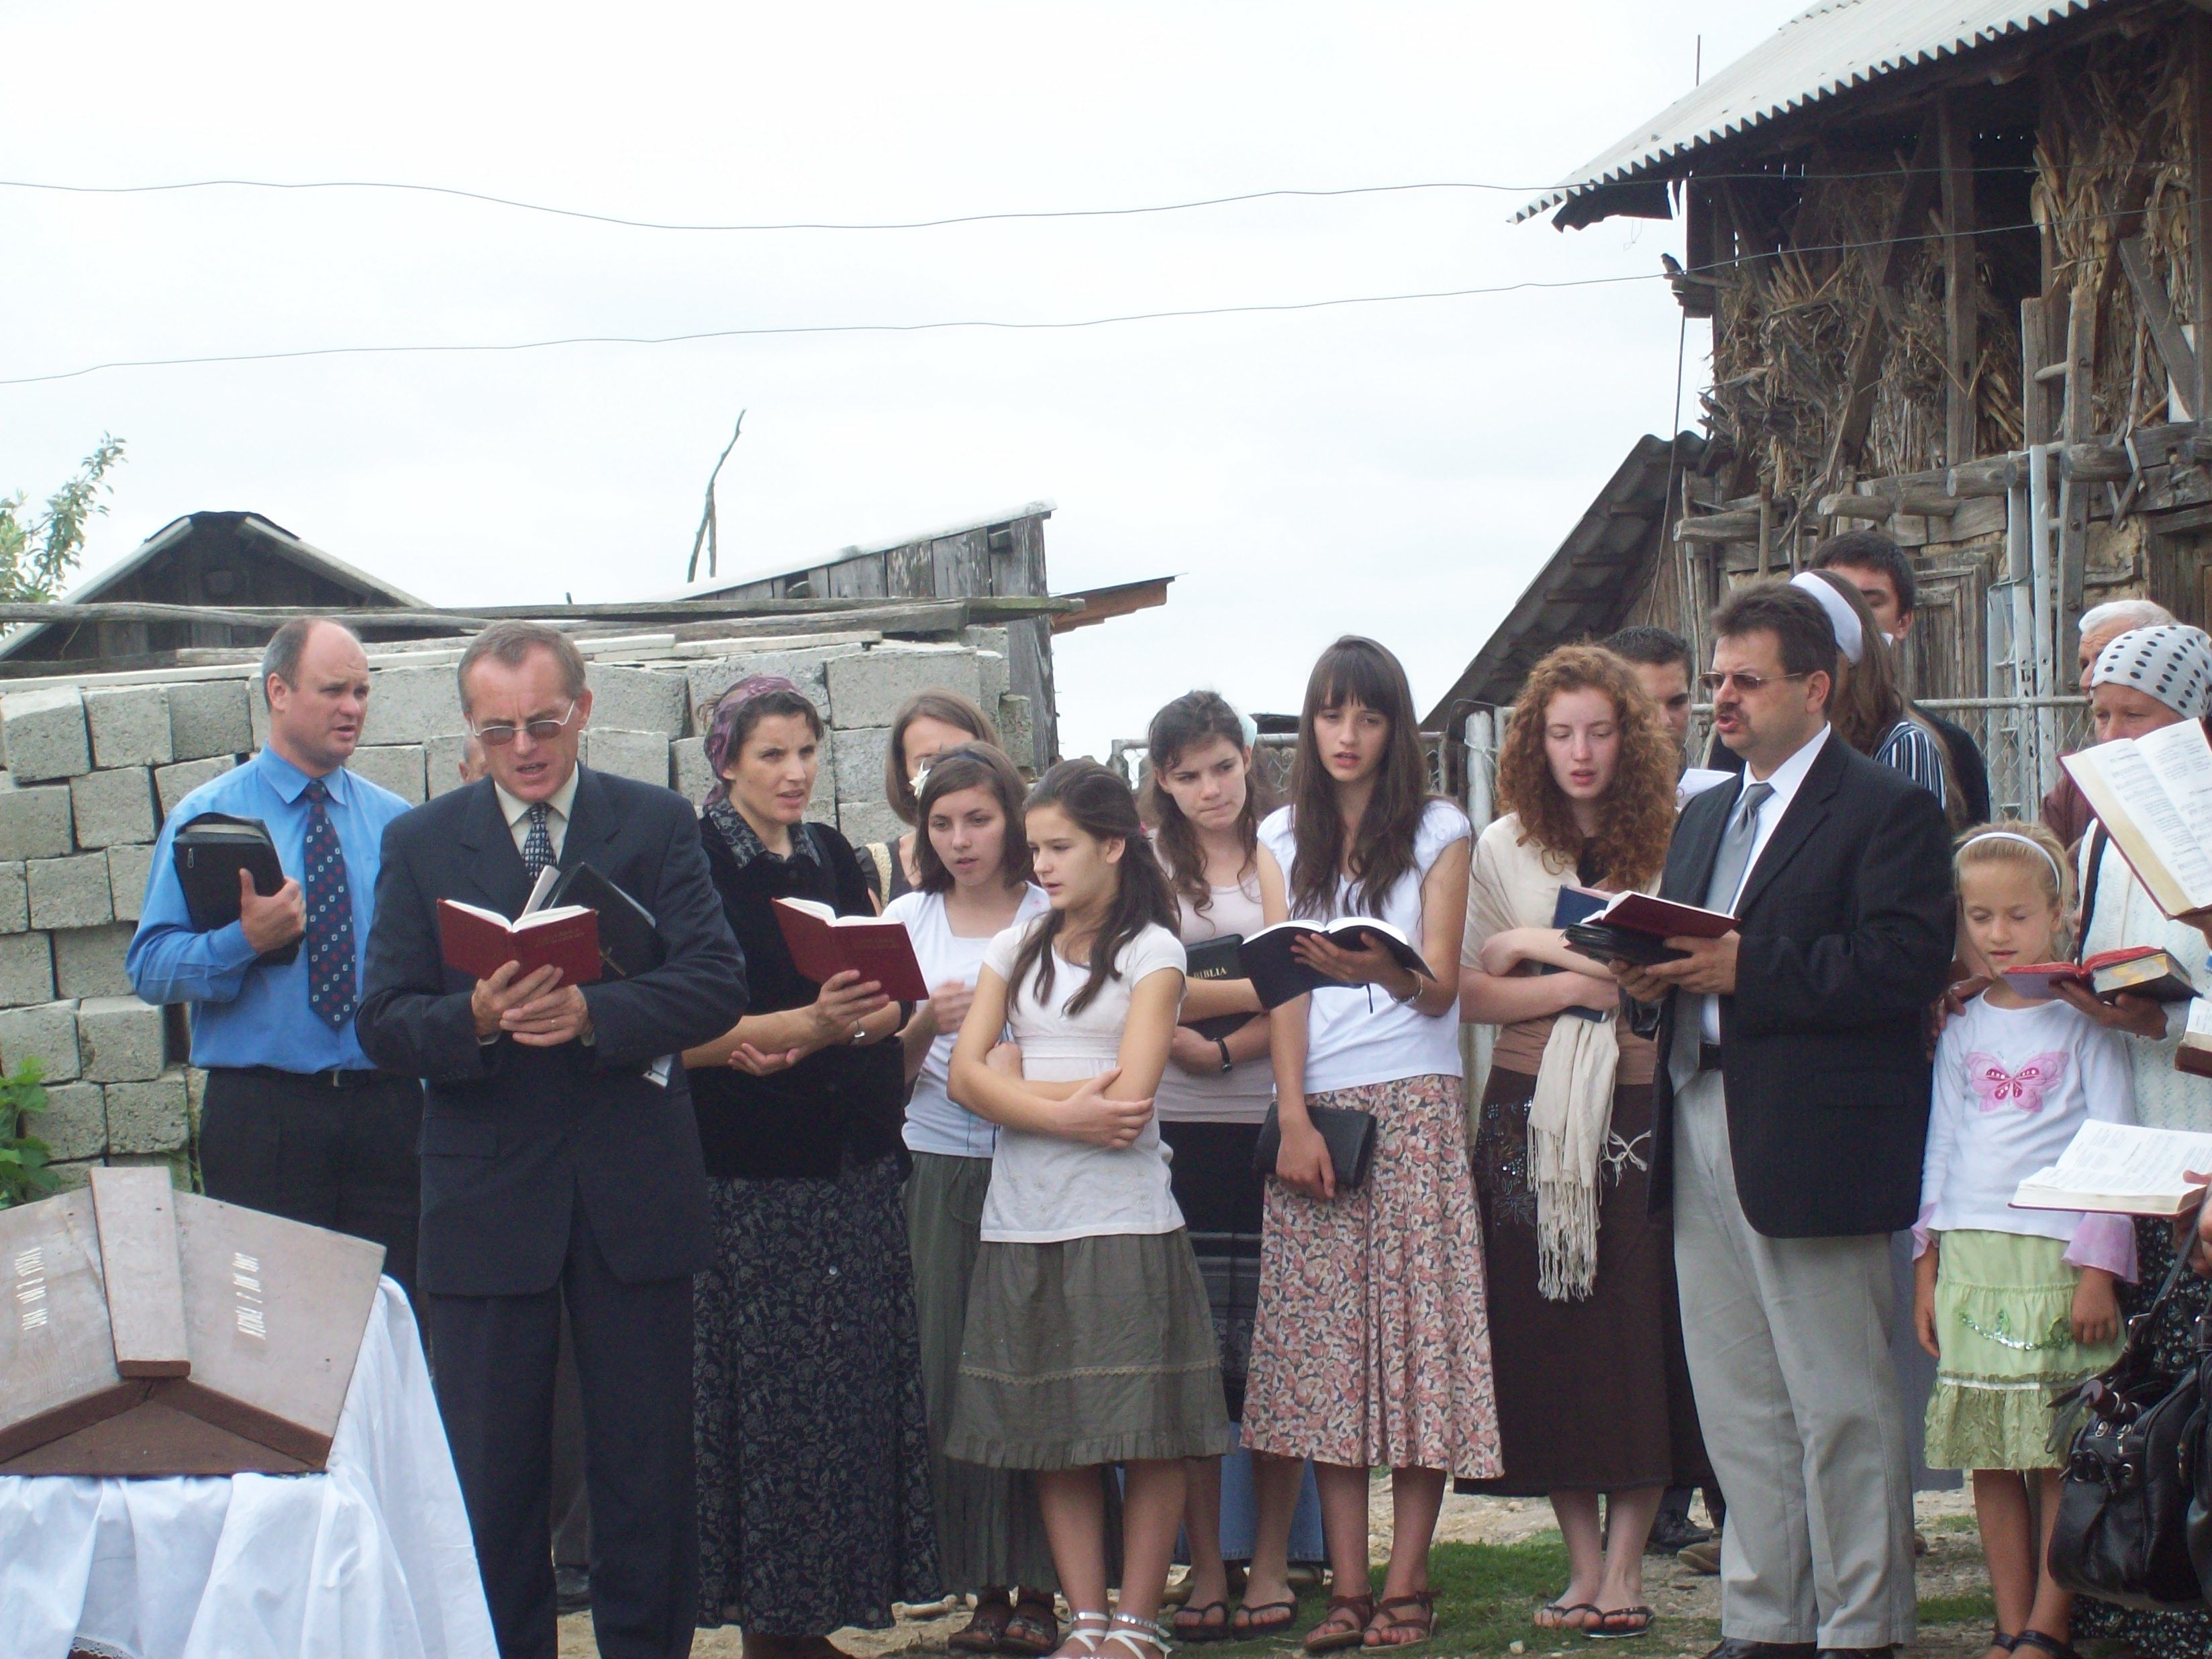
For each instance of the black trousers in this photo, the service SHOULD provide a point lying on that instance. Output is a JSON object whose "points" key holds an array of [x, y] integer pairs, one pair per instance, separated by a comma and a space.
{"points": [[341, 1159], [495, 1378]]}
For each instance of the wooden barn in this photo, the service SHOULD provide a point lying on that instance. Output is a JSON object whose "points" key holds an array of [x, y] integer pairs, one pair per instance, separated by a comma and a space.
{"points": [[1948, 259]]}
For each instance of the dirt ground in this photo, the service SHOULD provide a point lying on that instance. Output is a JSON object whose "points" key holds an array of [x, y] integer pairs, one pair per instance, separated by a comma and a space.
{"points": [[1688, 1605]]}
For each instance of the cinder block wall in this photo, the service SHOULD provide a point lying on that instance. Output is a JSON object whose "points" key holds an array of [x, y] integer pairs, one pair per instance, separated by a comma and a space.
{"points": [[93, 767]]}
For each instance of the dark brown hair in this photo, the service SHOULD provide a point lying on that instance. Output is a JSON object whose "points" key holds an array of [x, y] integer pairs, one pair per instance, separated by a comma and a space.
{"points": [[1356, 670], [1869, 549], [972, 766], [1191, 721], [947, 705], [1868, 702], [1802, 633], [1637, 813], [1102, 807]]}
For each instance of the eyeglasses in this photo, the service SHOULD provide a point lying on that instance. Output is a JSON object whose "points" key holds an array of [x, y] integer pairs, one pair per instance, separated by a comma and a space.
{"points": [[541, 731], [1748, 684]]}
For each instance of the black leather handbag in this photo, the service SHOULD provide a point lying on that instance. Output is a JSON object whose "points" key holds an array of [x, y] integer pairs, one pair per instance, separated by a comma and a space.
{"points": [[2126, 1522], [1348, 1133]]}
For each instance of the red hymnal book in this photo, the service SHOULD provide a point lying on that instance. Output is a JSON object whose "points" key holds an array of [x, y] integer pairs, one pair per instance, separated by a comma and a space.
{"points": [[2139, 971], [1663, 918], [480, 942], [824, 943]]}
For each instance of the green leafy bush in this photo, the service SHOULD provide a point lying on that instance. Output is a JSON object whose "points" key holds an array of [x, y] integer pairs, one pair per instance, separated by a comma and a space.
{"points": [[23, 1172]]}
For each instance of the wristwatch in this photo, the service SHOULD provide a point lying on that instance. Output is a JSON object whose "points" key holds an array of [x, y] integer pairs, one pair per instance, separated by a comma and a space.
{"points": [[1228, 1063]]}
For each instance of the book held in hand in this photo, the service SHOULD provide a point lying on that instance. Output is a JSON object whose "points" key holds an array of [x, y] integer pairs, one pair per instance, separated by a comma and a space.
{"points": [[630, 938], [1633, 927], [1220, 958], [1278, 976], [2122, 1169], [2154, 795], [480, 942], [824, 943], [2142, 970], [1574, 905], [209, 851], [2194, 1056]]}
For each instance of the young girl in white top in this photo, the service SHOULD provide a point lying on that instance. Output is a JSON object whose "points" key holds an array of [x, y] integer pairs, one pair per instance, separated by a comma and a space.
{"points": [[1088, 1339], [1204, 806], [972, 864], [2014, 1305], [1372, 1345]]}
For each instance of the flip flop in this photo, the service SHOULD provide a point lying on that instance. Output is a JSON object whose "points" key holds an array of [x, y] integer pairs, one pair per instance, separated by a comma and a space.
{"points": [[1201, 1626], [1559, 1612], [1610, 1627], [1247, 1621]]}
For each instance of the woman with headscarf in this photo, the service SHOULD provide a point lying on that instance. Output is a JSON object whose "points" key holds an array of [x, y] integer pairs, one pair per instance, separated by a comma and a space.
{"points": [[815, 1509]]}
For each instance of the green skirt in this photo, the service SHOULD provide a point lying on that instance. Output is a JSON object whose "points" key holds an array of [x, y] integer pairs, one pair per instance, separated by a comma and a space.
{"points": [[2005, 1307], [1089, 1350]]}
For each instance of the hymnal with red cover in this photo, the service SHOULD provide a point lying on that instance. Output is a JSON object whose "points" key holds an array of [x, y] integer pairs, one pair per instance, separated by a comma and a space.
{"points": [[2143, 970], [822, 943], [479, 942]]}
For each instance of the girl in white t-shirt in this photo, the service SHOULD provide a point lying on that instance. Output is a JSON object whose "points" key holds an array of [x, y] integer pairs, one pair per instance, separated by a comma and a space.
{"points": [[972, 864], [1088, 1339], [1371, 1347]]}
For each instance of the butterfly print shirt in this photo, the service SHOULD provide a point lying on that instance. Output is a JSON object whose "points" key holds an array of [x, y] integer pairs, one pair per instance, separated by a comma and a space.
{"points": [[2012, 1086]]}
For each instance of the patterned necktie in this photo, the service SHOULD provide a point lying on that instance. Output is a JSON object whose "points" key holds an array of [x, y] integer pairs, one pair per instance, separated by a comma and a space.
{"points": [[1728, 868], [538, 845], [331, 989]]}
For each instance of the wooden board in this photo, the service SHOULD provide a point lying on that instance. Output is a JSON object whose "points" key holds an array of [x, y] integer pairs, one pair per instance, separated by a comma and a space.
{"points": [[136, 1215], [56, 1360]]}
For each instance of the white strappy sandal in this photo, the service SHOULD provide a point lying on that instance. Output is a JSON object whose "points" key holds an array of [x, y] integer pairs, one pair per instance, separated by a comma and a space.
{"points": [[1137, 1637], [1090, 1629]]}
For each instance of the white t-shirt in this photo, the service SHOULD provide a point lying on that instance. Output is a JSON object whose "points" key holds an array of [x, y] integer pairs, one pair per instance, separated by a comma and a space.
{"points": [[933, 1123], [1355, 1034], [1242, 1094], [1047, 1188]]}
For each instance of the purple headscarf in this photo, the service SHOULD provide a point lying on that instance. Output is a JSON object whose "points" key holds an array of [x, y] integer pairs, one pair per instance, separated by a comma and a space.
{"points": [[721, 730]]}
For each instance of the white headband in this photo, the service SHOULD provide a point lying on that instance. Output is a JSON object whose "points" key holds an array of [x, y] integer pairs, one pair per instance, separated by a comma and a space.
{"points": [[1250, 727], [1849, 639], [2025, 841]]}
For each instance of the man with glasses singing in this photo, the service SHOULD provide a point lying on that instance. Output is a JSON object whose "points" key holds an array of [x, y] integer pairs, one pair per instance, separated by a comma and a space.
{"points": [[1790, 1117], [560, 1162]]}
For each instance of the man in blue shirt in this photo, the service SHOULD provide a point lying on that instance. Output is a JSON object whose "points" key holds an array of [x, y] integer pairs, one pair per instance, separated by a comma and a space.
{"points": [[296, 1121]]}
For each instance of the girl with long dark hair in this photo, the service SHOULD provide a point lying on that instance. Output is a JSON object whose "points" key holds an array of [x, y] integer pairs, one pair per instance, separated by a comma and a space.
{"points": [[926, 725], [1371, 1347], [1088, 1340]]}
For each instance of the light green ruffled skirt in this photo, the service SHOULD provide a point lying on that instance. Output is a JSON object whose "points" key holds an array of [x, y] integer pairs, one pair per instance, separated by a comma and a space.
{"points": [[2004, 1308]]}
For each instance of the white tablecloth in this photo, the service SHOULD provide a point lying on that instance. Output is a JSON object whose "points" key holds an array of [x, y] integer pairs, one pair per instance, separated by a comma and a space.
{"points": [[370, 1559]]}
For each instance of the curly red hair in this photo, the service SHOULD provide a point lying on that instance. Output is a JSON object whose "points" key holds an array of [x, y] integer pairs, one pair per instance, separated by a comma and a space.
{"points": [[1638, 818]]}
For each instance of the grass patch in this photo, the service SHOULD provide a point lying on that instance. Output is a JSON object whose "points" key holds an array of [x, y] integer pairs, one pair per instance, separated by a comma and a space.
{"points": [[1975, 1607]]}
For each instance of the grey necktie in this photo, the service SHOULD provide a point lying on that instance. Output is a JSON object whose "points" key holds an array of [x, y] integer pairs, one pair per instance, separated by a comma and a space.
{"points": [[538, 845], [1729, 867]]}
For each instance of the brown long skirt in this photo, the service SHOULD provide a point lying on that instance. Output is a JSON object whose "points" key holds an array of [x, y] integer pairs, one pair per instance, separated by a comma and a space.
{"points": [[1591, 1394]]}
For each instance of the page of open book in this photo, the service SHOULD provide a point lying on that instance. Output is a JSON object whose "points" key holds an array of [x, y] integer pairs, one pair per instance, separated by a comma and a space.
{"points": [[2161, 817], [2183, 759], [2125, 1159]]}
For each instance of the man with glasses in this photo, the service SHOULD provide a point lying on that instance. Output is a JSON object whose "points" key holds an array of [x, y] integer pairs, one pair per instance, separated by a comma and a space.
{"points": [[297, 1121], [561, 1163], [1789, 1115]]}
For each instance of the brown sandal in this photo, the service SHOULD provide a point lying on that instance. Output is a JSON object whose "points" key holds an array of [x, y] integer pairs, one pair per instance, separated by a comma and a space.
{"points": [[1382, 1630], [984, 1631], [1334, 1634], [1032, 1628]]}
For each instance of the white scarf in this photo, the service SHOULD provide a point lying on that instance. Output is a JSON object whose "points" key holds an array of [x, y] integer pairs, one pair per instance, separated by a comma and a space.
{"points": [[1570, 1120]]}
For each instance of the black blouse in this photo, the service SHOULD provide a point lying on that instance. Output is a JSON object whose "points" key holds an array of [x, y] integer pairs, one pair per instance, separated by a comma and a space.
{"points": [[841, 1103]]}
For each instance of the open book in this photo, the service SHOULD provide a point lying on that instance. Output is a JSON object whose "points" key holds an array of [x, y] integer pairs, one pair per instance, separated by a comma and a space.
{"points": [[2142, 970], [1631, 926], [479, 942], [1278, 976], [822, 943], [2154, 795], [2123, 1169], [2195, 1053]]}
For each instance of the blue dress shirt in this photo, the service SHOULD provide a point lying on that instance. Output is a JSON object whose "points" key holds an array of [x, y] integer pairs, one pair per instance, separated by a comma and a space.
{"points": [[245, 1013]]}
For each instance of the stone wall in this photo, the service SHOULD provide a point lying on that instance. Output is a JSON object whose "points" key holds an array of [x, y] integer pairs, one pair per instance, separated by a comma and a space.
{"points": [[94, 764]]}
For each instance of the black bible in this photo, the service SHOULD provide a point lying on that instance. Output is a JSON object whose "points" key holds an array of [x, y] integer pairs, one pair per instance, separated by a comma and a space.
{"points": [[209, 851]]}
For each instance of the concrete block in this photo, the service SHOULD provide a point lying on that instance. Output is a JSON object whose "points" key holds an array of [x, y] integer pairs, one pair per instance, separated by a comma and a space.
{"points": [[88, 961], [687, 759], [34, 824], [75, 1122], [991, 669], [71, 892], [257, 709], [121, 1040], [75, 1175], [147, 1117], [808, 670], [45, 1033], [45, 734], [639, 755], [112, 807], [15, 899], [866, 689], [406, 705], [128, 870], [638, 699], [26, 969], [862, 822], [195, 1095], [131, 725], [173, 783], [857, 764], [986, 636], [208, 717], [1018, 732], [396, 766], [441, 758]]}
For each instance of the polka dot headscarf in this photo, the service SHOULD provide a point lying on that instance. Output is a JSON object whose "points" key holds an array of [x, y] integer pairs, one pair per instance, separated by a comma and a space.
{"points": [[2173, 664]]}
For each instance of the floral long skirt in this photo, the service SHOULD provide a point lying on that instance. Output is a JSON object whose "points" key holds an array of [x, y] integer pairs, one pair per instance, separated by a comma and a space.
{"points": [[1372, 1345], [815, 1510]]}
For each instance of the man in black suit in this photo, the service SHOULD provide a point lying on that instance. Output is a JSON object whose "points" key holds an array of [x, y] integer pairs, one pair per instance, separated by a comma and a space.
{"points": [[560, 1158], [1789, 1115]]}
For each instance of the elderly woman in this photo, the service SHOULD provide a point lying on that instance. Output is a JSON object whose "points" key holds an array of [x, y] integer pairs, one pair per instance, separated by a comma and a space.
{"points": [[1593, 1389], [813, 1443]]}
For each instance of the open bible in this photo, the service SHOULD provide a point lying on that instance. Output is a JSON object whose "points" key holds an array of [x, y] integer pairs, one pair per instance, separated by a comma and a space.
{"points": [[2153, 794], [2123, 1169]]}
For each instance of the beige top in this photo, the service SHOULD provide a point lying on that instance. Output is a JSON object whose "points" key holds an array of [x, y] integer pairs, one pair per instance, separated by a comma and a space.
{"points": [[1516, 884]]}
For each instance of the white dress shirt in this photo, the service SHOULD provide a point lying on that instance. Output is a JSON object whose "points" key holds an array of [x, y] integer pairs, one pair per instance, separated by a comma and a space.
{"points": [[558, 806], [1784, 781]]}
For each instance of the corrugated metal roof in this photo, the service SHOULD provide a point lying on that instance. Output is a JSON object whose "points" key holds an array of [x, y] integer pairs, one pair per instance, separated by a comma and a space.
{"points": [[1836, 46]]}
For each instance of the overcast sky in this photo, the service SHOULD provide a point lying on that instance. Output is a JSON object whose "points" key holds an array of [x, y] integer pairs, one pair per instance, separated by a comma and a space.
{"points": [[1398, 469]]}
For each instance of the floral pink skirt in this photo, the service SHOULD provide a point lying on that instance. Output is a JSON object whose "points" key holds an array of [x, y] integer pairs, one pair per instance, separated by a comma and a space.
{"points": [[1371, 1346]]}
